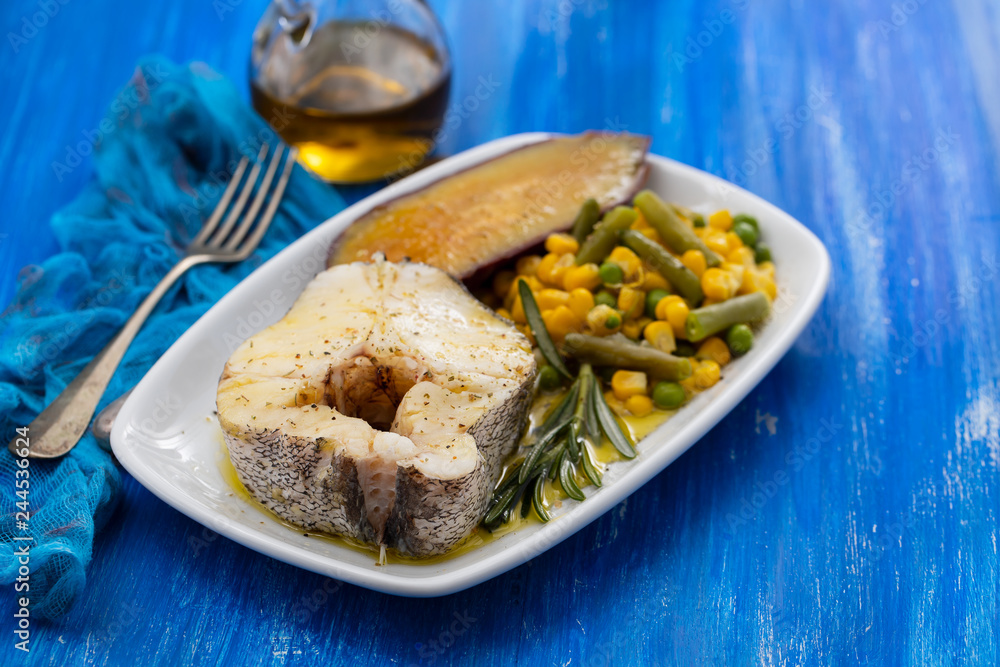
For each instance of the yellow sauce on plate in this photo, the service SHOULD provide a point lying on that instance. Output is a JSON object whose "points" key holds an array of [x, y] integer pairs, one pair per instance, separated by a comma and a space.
{"points": [[638, 427]]}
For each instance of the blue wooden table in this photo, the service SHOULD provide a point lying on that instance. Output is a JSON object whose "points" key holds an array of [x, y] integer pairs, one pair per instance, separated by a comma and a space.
{"points": [[844, 513]]}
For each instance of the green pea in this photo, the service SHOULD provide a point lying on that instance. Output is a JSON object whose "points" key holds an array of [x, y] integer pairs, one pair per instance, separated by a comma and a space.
{"points": [[698, 220], [668, 395], [654, 297], [749, 219], [611, 274], [762, 253], [548, 378], [684, 349], [612, 322], [739, 338], [605, 298], [746, 232]]}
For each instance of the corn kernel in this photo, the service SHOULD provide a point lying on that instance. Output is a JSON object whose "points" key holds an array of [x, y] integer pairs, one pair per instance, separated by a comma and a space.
{"points": [[736, 273], [716, 240], [517, 311], [549, 298], [706, 375], [633, 328], [742, 256], [650, 234], [631, 301], [769, 288], [502, 283], [628, 260], [717, 284], [640, 220], [750, 282], [628, 383], [695, 261], [546, 266], [673, 309], [616, 406], [580, 302], [598, 318], [587, 276], [527, 265], [660, 335], [504, 313], [721, 220], [554, 276], [714, 348], [560, 321], [733, 241], [534, 283], [640, 406], [561, 244], [654, 280], [526, 330]]}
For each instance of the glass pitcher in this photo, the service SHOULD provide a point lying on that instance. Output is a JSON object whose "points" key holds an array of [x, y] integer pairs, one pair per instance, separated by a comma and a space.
{"points": [[359, 86]]}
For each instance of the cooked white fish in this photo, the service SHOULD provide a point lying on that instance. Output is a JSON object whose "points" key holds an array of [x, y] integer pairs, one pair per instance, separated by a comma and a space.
{"points": [[380, 407]]}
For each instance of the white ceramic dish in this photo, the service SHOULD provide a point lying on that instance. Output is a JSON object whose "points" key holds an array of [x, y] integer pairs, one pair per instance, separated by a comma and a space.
{"points": [[167, 437]]}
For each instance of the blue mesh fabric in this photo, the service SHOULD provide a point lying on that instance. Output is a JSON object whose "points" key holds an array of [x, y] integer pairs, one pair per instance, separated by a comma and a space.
{"points": [[172, 138]]}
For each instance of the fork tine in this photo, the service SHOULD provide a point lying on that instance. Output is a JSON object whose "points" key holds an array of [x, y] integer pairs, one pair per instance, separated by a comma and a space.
{"points": [[220, 208], [251, 215], [241, 201], [272, 205]]}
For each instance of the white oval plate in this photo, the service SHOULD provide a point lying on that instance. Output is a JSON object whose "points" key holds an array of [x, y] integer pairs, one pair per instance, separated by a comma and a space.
{"points": [[167, 437]]}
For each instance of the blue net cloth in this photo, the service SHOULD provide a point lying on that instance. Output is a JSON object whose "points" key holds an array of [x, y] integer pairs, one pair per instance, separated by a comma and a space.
{"points": [[170, 140]]}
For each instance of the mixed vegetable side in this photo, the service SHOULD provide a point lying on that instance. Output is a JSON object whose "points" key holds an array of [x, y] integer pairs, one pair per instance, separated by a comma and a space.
{"points": [[646, 305]]}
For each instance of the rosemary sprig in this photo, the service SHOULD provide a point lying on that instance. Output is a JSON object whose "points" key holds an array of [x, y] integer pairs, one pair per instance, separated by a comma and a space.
{"points": [[558, 449]]}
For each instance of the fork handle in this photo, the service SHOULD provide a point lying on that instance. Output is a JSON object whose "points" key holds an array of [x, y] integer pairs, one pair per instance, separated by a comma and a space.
{"points": [[61, 425]]}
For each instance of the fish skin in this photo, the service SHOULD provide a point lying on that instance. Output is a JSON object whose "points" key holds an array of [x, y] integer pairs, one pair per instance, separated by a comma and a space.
{"points": [[313, 466]]}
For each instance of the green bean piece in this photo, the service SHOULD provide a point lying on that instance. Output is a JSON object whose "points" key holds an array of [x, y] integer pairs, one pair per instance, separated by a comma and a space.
{"points": [[534, 317], [567, 480], [662, 217], [684, 281], [762, 253], [747, 233], [586, 219], [602, 240], [611, 427], [749, 219], [611, 273], [668, 395], [710, 320], [698, 220], [653, 297], [620, 352], [739, 338]]}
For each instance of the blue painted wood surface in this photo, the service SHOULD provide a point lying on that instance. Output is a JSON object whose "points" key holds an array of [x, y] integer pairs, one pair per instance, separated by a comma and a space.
{"points": [[844, 513]]}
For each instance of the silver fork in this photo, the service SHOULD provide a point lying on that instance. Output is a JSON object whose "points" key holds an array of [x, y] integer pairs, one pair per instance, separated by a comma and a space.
{"points": [[61, 425]]}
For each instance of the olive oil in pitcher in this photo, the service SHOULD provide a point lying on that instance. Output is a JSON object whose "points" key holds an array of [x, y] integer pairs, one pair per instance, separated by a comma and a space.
{"points": [[360, 99]]}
